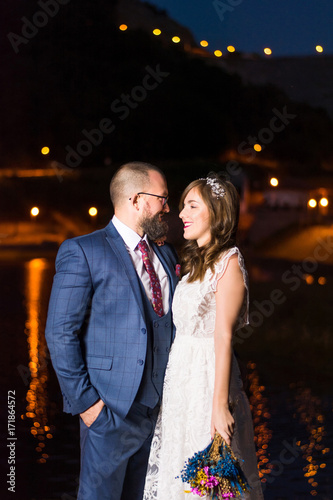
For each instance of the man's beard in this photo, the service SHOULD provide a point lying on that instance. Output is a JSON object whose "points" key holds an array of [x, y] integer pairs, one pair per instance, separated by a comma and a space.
{"points": [[154, 227]]}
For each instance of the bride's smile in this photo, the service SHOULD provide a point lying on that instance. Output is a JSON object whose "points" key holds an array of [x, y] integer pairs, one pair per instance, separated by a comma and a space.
{"points": [[195, 217]]}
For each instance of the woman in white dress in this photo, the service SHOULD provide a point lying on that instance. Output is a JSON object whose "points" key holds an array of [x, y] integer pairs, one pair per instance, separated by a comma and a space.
{"points": [[203, 391]]}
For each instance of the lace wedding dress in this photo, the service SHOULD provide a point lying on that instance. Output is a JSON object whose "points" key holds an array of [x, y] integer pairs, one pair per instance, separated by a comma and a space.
{"points": [[183, 425]]}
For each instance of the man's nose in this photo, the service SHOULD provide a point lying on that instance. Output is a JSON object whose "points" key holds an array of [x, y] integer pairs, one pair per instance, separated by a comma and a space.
{"points": [[166, 208]]}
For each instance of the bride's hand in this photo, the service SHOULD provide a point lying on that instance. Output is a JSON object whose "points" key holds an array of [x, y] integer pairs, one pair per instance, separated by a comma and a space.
{"points": [[222, 422]]}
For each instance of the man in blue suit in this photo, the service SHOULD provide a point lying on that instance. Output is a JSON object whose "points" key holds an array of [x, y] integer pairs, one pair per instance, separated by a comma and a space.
{"points": [[109, 341]]}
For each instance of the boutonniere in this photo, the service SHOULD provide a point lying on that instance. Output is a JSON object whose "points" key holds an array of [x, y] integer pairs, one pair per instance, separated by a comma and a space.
{"points": [[160, 241], [178, 270]]}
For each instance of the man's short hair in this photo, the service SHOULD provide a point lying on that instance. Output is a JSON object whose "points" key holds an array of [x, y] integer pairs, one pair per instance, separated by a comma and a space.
{"points": [[130, 177]]}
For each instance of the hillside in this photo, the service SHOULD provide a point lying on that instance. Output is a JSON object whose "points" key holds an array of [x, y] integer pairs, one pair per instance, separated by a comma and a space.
{"points": [[304, 79]]}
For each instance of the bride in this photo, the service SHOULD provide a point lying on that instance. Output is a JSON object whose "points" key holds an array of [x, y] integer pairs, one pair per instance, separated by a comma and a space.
{"points": [[203, 391]]}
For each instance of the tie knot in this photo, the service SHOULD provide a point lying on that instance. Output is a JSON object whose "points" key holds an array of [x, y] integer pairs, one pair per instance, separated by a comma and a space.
{"points": [[143, 247]]}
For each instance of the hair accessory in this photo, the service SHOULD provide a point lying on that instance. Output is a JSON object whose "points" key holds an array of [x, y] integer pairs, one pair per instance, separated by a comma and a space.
{"points": [[216, 188]]}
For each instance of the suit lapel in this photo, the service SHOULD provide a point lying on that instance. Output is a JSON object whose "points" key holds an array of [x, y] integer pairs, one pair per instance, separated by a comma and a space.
{"points": [[117, 244], [167, 266]]}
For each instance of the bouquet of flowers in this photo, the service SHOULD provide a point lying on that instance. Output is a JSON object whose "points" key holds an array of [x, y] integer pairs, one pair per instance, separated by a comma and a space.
{"points": [[215, 472]]}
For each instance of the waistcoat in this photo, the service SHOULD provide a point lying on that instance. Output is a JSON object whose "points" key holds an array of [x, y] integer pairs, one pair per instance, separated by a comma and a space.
{"points": [[159, 335]]}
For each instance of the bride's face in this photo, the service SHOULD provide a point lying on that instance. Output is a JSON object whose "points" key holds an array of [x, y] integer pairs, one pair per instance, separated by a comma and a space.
{"points": [[195, 217]]}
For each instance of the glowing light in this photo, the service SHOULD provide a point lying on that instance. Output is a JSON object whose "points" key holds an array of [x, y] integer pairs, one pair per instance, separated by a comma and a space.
{"points": [[34, 211], [175, 39], [93, 211], [157, 32], [319, 48], [312, 203], [45, 150], [309, 279], [322, 280], [274, 182], [324, 202], [204, 43], [217, 53], [123, 27], [257, 148], [231, 48], [268, 51]]}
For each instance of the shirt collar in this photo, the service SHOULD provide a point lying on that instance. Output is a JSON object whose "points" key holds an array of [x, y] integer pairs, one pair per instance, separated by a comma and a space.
{"points": [[130, 237]]}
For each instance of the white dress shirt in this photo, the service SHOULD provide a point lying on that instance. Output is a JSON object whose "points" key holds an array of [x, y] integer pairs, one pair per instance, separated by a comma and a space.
{"points": [[131, 240]]}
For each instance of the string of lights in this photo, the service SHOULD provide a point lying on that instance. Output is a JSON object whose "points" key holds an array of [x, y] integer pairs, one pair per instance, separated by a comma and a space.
{"points": [[204, 43]]}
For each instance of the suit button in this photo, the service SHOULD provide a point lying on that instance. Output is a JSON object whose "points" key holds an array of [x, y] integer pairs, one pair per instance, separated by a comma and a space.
{"points": [[140, 361], [156, 325], [144, 331], [167, 325], [167, 349], [155, 375], [155, 349]]}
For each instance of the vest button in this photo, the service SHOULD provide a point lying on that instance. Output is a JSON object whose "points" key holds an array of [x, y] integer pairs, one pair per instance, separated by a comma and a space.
{"points": [[167, 325], [155, 349], [156, 325], [155, 374], [167, 349], [144, 331], [140, 361]]}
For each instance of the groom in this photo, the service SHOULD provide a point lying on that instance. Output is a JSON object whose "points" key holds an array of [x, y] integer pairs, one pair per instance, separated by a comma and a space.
{"points": [[109, 331]]}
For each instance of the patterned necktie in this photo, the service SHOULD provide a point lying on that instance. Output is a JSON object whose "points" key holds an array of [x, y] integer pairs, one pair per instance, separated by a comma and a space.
{"points": [[154, 281]]}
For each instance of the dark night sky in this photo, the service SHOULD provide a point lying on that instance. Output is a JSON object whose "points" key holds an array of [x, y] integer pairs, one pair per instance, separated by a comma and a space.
{"points": [[288, 27]]}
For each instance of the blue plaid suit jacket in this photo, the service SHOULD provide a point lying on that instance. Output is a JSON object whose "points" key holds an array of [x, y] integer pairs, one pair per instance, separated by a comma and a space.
{"points": [[96, 330]]}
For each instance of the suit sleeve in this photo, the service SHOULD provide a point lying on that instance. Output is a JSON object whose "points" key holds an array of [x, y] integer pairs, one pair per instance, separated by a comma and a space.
{"points": [[68, 308]]}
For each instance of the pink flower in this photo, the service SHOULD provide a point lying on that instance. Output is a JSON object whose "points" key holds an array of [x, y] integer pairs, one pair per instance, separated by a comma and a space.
{"points": [[160, 241], [178, 270]]}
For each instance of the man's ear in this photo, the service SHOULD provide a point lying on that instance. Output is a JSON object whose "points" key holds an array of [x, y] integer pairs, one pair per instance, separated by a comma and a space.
{"points": [[135, 201]]}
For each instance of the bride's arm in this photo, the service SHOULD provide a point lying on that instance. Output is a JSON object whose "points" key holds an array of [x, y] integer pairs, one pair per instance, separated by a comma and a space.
{"points": [[229, 298]]}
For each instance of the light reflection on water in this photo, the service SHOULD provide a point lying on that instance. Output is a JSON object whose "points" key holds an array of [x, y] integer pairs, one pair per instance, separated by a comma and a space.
{"points": [[313, 446], [261, 416], [37, 395], [308, 475], [309, 412]]}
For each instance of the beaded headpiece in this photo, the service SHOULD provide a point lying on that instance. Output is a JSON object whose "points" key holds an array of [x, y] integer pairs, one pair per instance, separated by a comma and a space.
{"points": [[216, 188]]}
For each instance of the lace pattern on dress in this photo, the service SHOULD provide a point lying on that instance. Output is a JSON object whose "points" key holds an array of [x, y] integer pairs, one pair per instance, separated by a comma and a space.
{"points": [[219, 270], [183, 425]]}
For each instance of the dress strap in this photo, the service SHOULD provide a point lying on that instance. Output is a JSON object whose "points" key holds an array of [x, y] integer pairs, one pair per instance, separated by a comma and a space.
{"points": [[220, 268]]}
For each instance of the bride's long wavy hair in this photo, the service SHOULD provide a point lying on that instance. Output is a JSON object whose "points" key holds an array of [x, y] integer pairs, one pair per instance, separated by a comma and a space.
{"points": [[224, 215]]}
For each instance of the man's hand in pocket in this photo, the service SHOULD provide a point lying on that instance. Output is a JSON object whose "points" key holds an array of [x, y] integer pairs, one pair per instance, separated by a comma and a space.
{"points": [[89, 416]]}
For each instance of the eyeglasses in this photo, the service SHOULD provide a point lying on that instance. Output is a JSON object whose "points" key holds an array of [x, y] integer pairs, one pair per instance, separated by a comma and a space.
{"points": [[164, 198]]}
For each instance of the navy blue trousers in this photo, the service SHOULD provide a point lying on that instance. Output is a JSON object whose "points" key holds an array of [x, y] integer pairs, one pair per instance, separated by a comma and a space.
{"points": [[114, 454]]}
